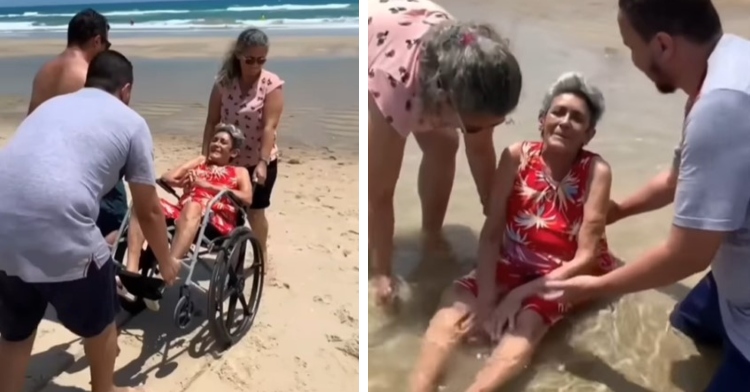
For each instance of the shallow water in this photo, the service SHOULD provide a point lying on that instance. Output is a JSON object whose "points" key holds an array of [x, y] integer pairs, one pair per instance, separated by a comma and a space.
{"points": [[626, 346]]}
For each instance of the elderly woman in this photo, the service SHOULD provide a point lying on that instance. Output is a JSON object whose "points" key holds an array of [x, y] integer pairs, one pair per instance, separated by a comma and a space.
{"points": [[431, 75], [546, 221], [201, 179], [250, 97]]}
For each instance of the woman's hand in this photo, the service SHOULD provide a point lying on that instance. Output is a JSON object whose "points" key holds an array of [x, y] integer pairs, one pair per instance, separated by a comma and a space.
{"points": [[385, 290], [260, 173], [504, 315]]}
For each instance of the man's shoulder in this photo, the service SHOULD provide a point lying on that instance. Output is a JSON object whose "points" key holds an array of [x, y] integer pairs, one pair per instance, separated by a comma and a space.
{"points": [[725, 107]]}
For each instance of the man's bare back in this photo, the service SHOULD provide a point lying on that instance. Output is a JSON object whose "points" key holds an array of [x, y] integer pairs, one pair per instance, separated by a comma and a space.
{"points": [[64, 74]]}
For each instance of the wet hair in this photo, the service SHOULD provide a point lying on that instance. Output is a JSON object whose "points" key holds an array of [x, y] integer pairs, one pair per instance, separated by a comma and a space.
{"points": [[110, 71], [85, 26], [230, 67], [471, 63], [235, 134], [576, 84], [695, 20]]}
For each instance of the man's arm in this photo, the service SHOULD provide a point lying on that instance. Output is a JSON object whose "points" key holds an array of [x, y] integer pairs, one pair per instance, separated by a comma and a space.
{"points": [[139, 173], [711, 199], [657, 193], [480, 152]]}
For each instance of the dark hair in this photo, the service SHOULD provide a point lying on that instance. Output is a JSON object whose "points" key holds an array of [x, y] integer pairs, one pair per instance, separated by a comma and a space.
{"points": [[85, 26], [109, 71], [230, 67], [472, 63], [695, 20]]}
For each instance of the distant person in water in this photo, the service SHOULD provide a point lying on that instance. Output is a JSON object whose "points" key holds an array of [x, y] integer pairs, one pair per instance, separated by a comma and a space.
{"points": [[88, 33]]}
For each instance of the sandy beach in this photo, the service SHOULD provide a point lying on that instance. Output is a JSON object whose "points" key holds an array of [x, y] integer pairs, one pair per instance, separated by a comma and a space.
{"points": [[305, 337], [626, 347]]}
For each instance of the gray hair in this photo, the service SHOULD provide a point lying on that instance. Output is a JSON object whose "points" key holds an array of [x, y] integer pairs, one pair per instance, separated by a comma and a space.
{"points": [[236, 136], [576, 84], [473, 64], [230, 67]]}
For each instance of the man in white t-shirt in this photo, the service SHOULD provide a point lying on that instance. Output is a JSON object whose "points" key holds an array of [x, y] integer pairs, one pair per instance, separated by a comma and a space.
{"points": [[679, 44]]}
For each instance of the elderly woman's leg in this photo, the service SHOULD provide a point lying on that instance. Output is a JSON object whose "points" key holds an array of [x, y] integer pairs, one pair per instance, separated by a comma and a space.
{"points": [[136, 239], [448, 328], [186, 227], [512, 354], [436, 174], [386, 152]]}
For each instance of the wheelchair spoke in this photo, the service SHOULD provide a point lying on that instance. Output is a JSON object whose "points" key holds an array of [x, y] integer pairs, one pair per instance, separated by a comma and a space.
{"points": [[245, 308], [230, 311]]}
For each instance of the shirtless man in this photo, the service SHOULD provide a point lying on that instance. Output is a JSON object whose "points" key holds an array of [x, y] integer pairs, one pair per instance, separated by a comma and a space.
{"points": [[87, 36], [66, 73]]}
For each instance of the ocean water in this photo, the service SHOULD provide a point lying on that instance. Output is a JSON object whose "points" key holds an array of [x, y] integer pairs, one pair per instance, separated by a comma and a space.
{"points": [[190, 15]]}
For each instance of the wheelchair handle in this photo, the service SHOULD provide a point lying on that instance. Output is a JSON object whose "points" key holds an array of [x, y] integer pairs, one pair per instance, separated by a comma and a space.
{"points": [[163, 184]]}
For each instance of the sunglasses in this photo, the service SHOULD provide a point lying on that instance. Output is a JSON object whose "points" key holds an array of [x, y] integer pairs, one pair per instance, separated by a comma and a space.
{"points": [[248, 60]]}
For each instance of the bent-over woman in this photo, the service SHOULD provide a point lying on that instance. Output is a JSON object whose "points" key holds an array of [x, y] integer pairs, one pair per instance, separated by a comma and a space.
{"points": [[430, 75]]}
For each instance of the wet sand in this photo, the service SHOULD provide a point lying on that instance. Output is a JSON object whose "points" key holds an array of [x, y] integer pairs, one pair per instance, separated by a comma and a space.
{"points": [[305, 337], [626, 347]]}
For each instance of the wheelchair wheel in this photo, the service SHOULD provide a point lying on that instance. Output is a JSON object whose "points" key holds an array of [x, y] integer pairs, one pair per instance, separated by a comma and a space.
{"points": [[227, 288]]}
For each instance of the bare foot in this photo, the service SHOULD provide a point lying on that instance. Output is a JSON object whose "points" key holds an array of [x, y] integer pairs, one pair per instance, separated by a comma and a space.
{"points": [[128, 389]]}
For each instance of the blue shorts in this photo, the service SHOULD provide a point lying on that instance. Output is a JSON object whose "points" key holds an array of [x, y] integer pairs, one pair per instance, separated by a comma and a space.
{"points": [[85, 306], [698, 317]]}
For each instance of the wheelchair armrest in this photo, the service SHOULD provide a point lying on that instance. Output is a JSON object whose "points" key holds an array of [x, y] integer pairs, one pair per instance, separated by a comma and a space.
{"points": [[163, 184]]}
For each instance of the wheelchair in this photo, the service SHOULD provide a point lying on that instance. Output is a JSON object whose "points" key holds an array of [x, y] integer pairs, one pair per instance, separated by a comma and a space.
{"points": [[223, 255]]}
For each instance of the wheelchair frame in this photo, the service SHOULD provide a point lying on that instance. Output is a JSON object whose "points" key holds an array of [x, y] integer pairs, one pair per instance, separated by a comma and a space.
{"points": [[226, 275]]}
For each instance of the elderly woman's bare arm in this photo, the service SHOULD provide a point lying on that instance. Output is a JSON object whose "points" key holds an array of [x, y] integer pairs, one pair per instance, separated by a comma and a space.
{"points": [[175, 177], [594, 221], [493, 230], [245, 187]]}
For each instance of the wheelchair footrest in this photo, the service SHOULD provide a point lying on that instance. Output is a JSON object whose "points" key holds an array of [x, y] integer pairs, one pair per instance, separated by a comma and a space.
{"points": [[142, 286]]}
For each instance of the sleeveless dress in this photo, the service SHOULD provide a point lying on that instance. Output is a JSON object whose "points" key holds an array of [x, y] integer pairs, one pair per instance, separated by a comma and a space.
{"points": [[224, 219], [541, 234], [246, 112], [395, 29]]}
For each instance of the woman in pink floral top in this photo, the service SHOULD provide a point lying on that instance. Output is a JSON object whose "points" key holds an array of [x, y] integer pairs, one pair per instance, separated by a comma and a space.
{"points": [[252, 99]]}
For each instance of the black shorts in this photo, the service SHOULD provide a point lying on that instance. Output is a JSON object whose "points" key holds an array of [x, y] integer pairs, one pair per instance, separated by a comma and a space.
{"points": [[262, 193], [84, 306], [112, 210]]}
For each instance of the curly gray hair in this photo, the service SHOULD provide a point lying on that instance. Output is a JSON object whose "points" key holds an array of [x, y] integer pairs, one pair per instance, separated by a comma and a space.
{"points": [[575, 83], [235, 134], [230, 67], [474, 64]]}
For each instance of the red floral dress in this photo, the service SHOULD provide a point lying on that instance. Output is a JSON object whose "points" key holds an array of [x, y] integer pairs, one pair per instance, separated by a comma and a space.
{"points": [[225, 214], [541, 234]]}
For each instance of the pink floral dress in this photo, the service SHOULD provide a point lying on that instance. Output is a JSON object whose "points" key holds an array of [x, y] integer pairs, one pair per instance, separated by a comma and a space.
{"points": [[395, 29], [246, 112]]}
